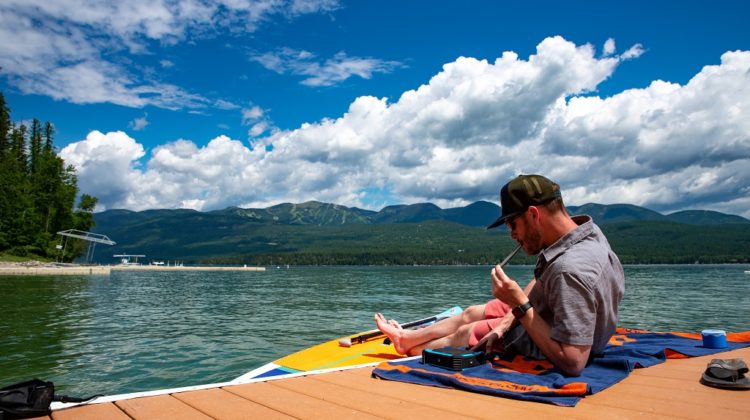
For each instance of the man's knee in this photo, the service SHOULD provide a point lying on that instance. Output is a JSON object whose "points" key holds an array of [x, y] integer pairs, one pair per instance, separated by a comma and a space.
{"points": [[473, 313], [463, 333]]}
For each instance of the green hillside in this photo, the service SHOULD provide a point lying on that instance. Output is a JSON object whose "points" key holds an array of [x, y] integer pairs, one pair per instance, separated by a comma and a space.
{"points": [[319, 233], [675, 243]]}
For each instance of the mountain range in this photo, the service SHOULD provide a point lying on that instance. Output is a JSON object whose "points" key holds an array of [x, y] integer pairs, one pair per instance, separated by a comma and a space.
{"points": [[316, 232], [480, 213]]}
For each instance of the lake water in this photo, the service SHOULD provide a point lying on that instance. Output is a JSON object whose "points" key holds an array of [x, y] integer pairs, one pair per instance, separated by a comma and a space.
{"points": [[137, 331]]}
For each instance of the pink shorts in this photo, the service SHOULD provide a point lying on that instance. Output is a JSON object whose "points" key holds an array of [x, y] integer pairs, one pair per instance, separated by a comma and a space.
{"points": [[494, 311]]}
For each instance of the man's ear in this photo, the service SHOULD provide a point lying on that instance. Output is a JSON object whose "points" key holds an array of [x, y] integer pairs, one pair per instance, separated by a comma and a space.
{"points": [[535, 212]]}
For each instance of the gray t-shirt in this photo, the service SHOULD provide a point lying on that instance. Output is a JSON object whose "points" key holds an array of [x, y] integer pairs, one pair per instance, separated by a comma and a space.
{"points": [[580, 283]]}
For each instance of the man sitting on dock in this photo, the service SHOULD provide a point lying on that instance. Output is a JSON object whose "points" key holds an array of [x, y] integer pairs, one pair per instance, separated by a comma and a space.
{"points": [[566, 314]]}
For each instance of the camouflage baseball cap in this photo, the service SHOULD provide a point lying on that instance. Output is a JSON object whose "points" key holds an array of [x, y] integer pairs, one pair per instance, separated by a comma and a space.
{"points": [[523, 191]]}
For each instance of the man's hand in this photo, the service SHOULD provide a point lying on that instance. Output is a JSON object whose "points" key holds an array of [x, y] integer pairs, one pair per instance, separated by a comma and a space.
{"points": [[506, 289], [488, 342], [492, 341]]}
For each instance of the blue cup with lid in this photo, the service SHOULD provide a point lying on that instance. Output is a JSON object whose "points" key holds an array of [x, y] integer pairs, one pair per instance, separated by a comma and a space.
{"points": [[714, 339]]}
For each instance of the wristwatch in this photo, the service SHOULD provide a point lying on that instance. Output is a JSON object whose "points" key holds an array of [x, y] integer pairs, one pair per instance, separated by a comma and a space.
{"points": [[520, 310]]}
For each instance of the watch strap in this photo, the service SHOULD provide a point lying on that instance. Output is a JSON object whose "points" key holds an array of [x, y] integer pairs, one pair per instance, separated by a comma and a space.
{"points": [[520, 310]]}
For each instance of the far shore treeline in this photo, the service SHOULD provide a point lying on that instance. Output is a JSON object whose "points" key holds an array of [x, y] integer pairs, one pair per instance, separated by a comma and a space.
{"points": [[315, 233], [38, 193]]}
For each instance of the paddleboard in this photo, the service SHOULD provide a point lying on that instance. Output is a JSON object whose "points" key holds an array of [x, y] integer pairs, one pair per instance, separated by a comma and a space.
{"points": [[333, 354]]}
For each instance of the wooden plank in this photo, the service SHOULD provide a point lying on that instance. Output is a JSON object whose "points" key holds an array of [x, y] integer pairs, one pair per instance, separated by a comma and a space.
{"points": [[377, 405], [293, 403], [691, 367], [673, 389], [221, 404], [90, 412], [159, 407], [690, 392], [662, 405], [478, 405], [449, 400]]}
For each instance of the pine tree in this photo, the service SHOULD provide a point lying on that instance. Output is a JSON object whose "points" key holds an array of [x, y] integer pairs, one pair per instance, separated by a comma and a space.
{"points": [[5, 163], [35, 146], [18, 209], [38, 191], [49, 131], [4, 126]]}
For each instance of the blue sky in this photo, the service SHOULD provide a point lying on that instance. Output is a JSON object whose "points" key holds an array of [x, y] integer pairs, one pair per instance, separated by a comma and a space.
{"points": [[206, 104]]}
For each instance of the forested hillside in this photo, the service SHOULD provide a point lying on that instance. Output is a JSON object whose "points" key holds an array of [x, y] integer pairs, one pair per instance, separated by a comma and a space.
{"points": [[322, 233], [38, 193]]}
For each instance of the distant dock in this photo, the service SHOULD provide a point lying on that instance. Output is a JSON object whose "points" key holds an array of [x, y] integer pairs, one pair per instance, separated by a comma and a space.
{"points": [[53, 270], [144, 267], [104, 270]]}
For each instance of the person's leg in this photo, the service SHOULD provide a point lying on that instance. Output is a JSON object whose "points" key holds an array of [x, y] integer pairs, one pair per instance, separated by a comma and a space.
{"points": [[460, 338], [471, 332], [480, 320], [409, 341]]}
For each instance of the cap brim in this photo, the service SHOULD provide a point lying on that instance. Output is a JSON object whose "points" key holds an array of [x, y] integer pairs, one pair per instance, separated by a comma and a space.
{"points": [[496, 223], [502, 219]]}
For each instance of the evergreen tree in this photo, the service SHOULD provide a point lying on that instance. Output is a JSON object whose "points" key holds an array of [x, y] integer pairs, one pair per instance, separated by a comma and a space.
{"points": [[4, 126], [5, 191], [17, 151], [38, 191], [18, 209], [49, 131], [35, 146]]}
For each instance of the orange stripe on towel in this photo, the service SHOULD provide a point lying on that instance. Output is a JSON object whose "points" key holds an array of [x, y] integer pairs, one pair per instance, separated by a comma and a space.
{"points": [[574, 389], [620, 339], [521, 365]]}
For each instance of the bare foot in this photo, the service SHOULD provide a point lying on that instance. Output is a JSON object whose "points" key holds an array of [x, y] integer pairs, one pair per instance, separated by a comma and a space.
{"points": [[395, 324], [395, 334]]}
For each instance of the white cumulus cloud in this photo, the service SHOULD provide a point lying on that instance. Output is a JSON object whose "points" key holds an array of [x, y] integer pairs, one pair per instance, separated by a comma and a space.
{"points": [[459, 137]]}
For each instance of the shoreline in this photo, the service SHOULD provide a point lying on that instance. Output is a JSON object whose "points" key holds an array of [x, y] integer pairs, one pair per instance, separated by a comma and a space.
{"points": [[52, 269], [36, 268]]}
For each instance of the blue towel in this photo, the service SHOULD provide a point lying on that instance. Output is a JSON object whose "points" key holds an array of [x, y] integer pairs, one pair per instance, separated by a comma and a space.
{"points": [[538, 380]]}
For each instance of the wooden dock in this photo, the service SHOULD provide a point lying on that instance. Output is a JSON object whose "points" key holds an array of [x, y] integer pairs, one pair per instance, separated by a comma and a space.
{"points": [[669, 390]]}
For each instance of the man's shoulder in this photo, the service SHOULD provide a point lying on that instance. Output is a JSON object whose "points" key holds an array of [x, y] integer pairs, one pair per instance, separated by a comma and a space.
{"points": [[590, 254]]}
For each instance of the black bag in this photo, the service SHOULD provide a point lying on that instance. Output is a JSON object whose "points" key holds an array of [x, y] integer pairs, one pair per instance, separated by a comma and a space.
{"points": [[26, 399], [31, 399]]}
